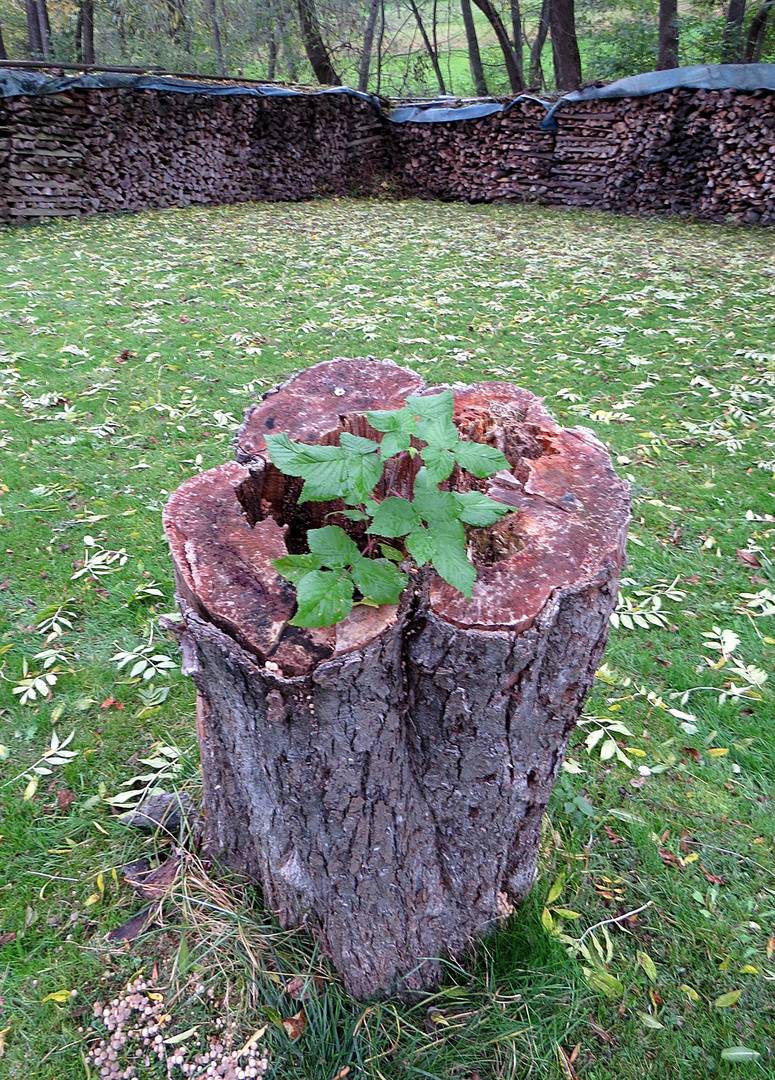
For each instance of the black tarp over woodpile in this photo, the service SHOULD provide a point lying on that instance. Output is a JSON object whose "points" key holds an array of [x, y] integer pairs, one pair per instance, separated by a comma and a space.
{"points": [[385, 779]]}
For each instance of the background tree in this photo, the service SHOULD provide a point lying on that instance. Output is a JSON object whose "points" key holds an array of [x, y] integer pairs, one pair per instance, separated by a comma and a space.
{"points": [[3, 53], [756, 33], [430, 49], [315, 47], [565, 46], [368, 44], [514, 69], [668, 35], [474, 56], [536, 75], [732, 44]]}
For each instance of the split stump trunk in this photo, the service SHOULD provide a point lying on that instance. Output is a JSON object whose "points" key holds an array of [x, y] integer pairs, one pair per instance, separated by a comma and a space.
{"points": [[384, 780]]}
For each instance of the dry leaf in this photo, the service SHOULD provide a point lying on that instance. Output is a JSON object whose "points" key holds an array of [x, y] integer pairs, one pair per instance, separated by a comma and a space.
{"points": [[748, 557], [294, 1025], [565, 1065], [6, 939], [65, 799]]}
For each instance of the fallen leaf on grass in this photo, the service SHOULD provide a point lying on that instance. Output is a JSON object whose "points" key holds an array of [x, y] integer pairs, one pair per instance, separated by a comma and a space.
{"points": [[65, 799], [6, 939], [649, 1021], [153, 884], [600, 1032], [3, 1034], [726, 1001], [59, 996], [692, 752], [111, 703], [712, 879], [565, 1065], [748, 557], [133, 927], [295, 987], [294, 1025], [739, 1053], [612, 835]]}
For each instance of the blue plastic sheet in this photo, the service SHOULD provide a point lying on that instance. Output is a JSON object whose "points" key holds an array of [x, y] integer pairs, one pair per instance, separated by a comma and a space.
{"points": [[438, 112], [745, 77], [17, 83]]}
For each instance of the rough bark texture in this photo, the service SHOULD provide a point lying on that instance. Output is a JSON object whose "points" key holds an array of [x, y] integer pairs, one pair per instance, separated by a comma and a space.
{"points": [[474, 55], [513, 69], [385, 780], [565, 46], [668, 35]]}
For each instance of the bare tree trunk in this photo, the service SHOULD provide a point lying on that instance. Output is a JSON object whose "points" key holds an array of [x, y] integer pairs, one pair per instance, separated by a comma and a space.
{"points": [[536, 76], [368, 43], [380, 39], [514, 70], [45, 29], [732, 45], [314, 45], [668, 35], [3, 53], [213, 13], [474, 56], [87, 15], [272, 67], [429, 48], [516, 27], [33, 30], [565, 47], [756, 32]]}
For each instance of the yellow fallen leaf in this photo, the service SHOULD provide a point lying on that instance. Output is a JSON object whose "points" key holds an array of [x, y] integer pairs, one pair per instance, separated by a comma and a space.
{"points": [[693, 857], [718, 751], [3, 1034], [749, 969], [93, 899], [690, 992], [58, 995], [727, 1000]]}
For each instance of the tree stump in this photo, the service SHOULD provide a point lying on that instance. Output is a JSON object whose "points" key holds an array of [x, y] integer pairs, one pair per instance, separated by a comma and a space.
{"points": [[384, 780]]}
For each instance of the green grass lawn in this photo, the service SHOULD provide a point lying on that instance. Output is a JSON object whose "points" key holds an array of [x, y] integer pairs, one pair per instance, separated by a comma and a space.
{"points": [[130, 347]]}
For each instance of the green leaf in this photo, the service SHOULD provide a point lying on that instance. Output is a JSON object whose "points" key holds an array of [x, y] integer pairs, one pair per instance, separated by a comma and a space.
{"points": [[479, 459], [324, 480], [294, 567], [392, 420], [739, 1053], [478, 509], [332, 546], [394, 517], [324, 597], [394, 442], [284, 454], [449, 558], [391, 553], [354, 444], [727, 1000], [648, 1021], [436, 507], [433, 406], [351, 515], [439, 463], [420, 545], [648, 965], [379, 580], [440, 434], [555, 890], [363, 472], [604, 983]]}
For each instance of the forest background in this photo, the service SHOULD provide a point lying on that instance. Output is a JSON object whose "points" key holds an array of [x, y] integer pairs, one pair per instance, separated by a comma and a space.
{"points": [[399, 48]]}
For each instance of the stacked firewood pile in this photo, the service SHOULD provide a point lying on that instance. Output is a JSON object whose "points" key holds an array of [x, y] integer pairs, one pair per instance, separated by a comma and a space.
{"points": [[504, 156], [123, 149], [706, 153]]}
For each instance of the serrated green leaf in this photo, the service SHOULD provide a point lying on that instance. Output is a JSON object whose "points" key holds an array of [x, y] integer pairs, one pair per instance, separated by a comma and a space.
{"points": [[333, 546], [739, 1053], [394, 517], [284, 454], [441, 434], [432, 406], [324, 597], [478, 509], [379, 580], [324, 480], [392, 420], [394, 442], [479, 459], [438, 508], [391, 553], [351, 515], [439, 463], [420, 545], [648, 965], [449, 558], [355, 444], [363, 473]]}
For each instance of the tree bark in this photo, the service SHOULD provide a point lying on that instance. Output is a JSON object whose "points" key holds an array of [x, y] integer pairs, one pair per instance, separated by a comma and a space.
{"points": [[565, 46], [756, 33], [3, 53], [45, 28], [33, 30], [368, 44], [536, 72], [216, 28], [385, 779], [474, 56], [513, 69], [732, 44], [314, 45], [87, 22], [428, 46], [668, 35], [516, 27]]}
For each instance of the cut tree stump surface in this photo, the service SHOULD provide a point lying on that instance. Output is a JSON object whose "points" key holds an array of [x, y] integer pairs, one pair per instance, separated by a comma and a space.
{"points": [[384, 780]]}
